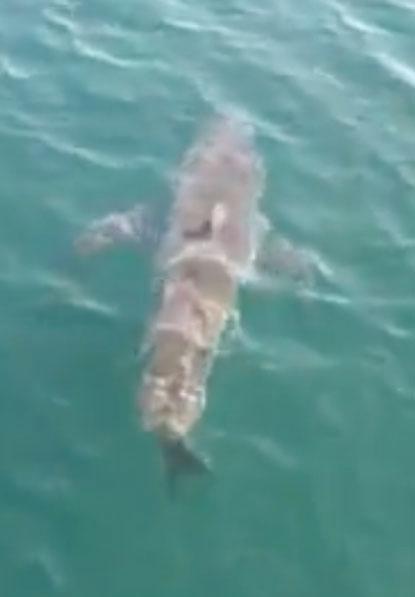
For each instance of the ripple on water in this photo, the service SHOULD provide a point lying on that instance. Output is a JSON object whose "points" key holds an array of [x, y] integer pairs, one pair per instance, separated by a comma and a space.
{"points": [[42, 568], [10, 67], [330, 91], [61, 20], [84, 154], [65, 293], [269, 449], [52, 293], [272, 451], [88, 50], [397, 68]]}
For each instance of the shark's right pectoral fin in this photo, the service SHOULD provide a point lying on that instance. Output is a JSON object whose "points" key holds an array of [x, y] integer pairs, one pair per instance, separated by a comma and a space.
{"points": [[131, 226], [277, 257]]}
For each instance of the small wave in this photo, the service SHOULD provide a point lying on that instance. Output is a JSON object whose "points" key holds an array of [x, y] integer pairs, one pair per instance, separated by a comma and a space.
{"points": [[29, 128], [66, 4], [47, 562], [32, 129], [397, 332], [93, 306], [354, 22], [270, 450], [88, 51], [63, 21], [42, 485], [288, 355], [397, 68], [291, 356], [377, 301], [267, 448], [326, 297], [82, 153], [14, 71], [73, 295], [55, 293]]}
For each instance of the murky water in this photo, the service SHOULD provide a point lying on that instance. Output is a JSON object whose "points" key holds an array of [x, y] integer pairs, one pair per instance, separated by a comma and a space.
{"points": [[311, 416]]}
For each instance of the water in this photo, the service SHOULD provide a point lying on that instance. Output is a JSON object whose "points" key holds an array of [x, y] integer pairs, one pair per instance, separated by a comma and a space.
{"points": [[311, 418]]}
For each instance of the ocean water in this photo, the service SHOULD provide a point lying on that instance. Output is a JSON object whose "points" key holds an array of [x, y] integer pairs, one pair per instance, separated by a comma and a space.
{"points": [[310, 424]]}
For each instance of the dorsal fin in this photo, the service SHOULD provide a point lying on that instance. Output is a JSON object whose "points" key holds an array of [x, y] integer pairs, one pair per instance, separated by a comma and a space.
{"points": [[219, 217]]}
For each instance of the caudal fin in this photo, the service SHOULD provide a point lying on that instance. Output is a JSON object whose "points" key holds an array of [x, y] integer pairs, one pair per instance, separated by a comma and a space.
{"points": [[181, 460]]}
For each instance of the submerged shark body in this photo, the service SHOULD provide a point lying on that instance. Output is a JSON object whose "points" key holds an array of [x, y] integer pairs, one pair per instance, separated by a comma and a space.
{"points": [[211, 239]]}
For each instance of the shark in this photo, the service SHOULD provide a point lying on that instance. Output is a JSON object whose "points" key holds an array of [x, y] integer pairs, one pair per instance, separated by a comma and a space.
{"points": [[212, 237]]}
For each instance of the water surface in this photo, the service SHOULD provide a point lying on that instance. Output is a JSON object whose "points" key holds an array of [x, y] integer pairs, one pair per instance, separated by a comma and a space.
{"points": [[311, 416]]}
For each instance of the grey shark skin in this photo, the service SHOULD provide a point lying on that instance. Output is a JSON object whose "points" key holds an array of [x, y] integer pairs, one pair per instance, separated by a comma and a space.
{"points": [[211, 238], [209, 241]]}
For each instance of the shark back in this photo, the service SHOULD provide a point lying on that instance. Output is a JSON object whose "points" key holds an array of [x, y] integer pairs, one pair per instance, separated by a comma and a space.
{"points": [[221, 169]]}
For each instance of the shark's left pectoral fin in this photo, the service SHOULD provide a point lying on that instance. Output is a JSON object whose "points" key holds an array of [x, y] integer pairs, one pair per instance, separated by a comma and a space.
{"points": [[277, 257], [131, 226]]}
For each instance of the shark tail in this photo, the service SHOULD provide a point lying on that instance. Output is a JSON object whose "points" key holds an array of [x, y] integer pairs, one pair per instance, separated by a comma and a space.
{"points": [[181, 460]]}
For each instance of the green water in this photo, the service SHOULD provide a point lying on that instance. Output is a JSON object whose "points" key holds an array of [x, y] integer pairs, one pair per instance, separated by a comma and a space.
{"points": [[310, 423]]}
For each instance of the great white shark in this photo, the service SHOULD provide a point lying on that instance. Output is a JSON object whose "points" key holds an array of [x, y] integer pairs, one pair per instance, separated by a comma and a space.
{"points": [[212, 239]]}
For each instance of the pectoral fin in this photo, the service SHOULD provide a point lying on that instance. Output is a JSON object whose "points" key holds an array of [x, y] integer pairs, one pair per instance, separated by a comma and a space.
{"points": [[277, 256], [130, 226]]}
